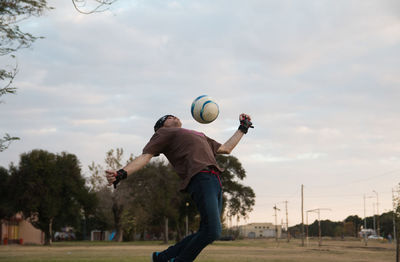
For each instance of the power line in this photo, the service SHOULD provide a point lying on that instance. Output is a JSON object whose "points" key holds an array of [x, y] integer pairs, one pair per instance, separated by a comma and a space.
{"points": [[359, 180]]}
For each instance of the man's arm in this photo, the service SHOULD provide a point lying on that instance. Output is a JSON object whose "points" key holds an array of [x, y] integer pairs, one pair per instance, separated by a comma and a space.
{"points": [[228, 146], [130, 168]]}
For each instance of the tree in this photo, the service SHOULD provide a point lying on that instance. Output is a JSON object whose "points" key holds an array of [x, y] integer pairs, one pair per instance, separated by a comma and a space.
{"points": [[12, 12], [120, 196], [356, 222], [145, 200], [50, 190], [77, 199], [386, 224], [150, 199], [110, 211], [349, 229], [12, 39], [97, 180], [238, 199], [155, 189], [328, 228], [396, 209], [6, 202]]}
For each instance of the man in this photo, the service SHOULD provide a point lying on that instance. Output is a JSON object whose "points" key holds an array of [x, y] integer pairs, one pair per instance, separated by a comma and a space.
{"points": [[192, 154]]}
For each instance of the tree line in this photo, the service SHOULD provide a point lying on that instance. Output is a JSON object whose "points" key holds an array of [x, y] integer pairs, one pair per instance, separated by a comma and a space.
{"points": [[349, 227], [51, 192]]}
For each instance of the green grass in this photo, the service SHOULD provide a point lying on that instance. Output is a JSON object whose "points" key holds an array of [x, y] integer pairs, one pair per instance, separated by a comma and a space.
{"points": [[238, 251], [106, 243]]}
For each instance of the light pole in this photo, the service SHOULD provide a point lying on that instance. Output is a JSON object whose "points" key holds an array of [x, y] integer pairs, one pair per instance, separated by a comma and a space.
{"points": [[287, 220], [394, 216], [318, 210], [365, 216], [187, 219], [373, 218], [319, 224], [276, 222], [307, 226], [377, 210], [365, 221]]}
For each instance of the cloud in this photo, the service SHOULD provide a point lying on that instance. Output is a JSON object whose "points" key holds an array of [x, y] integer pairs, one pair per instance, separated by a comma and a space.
{"points": [[268, 158], [311, 155], [42, 131]]}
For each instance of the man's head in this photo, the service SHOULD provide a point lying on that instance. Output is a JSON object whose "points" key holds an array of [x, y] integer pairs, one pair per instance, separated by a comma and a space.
{"points": [[167, 121]]}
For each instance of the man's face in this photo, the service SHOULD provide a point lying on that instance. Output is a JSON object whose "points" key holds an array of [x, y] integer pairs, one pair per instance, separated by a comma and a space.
{"points": [[172, 121]]}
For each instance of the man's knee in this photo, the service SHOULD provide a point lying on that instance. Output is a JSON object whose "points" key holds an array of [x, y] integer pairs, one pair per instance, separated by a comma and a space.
{"points": [[214, 234]]}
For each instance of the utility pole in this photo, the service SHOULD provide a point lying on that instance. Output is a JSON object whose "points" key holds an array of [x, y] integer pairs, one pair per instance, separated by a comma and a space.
{"points": [[276, 222], [365, 225], [394, 217], [319, 229], [302, 215], [287, 222], [307, 227]]}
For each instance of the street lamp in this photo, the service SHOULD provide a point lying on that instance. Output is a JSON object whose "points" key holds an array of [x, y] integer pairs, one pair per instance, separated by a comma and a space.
{"points": [[377, 210], [187, 219], [307, 225], [365, 216], [318, 210], [365, 220], [276, 222]]}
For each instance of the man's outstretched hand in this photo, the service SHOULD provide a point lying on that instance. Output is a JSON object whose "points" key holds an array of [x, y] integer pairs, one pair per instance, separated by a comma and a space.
{"points": [[110, 175], [245, 123], [114, 177]]}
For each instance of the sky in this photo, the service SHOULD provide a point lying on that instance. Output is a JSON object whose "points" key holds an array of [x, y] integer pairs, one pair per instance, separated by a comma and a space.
{"points": [[319, 78]]}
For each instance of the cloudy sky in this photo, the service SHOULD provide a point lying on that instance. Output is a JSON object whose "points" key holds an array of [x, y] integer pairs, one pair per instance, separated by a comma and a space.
{"points": [[319, 78]]}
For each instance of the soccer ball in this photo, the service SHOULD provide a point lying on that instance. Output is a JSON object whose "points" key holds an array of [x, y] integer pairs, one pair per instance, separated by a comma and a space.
{"points": [[204, 109]]}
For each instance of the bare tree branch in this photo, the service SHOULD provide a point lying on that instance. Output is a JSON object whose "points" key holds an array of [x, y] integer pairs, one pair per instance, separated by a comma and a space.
{"points": [[100, 6]]}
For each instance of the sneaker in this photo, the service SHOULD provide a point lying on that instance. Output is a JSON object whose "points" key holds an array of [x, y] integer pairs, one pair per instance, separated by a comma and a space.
{"points": [[154, 257]]}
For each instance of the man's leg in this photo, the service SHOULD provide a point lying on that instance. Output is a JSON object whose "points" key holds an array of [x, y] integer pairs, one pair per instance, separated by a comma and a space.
{"points": [[173, 251], [206, 191]]}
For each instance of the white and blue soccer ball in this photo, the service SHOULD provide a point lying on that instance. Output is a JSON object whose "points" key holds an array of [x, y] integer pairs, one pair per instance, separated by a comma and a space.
{"points": [[204, 109]]}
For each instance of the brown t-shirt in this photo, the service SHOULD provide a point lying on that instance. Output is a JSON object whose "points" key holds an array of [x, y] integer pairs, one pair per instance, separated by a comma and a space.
{"points": [[188, 151]]}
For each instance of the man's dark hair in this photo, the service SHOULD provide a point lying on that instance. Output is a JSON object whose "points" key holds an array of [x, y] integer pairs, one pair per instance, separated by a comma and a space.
{"points": [[160, 122]]}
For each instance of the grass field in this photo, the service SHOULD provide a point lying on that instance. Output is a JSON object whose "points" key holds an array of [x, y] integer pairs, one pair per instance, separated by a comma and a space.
{"points": [[239, 250]]}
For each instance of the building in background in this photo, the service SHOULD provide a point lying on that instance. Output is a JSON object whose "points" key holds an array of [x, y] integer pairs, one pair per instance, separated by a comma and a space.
{"points": [[17, 230], [260, 230], [99, 235]]}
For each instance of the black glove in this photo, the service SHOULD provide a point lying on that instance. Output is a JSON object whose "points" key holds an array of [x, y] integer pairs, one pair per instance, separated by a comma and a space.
{"points": [[121, 175], [245, 124]]}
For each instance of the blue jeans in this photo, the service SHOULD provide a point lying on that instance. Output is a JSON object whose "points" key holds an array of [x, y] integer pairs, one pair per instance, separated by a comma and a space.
{"points": [[205, 189]]}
